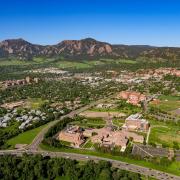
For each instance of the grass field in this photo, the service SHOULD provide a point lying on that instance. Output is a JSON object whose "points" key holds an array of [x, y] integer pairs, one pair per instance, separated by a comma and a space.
{"points": [[118, 122], [35, 103], [118, 61], [72, 64], [168, 103], [90, 122], [25, 137], [173, 168], [14, 62], [90, 64], [95, 109], [165, 135], [126, 61], [88, 144], [65, 143], [169, 98]]}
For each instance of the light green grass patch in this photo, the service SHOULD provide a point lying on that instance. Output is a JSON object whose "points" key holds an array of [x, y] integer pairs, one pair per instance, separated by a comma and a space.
{"points": [[126, 61], [90, 122], [165, 135], [25, 137], [66, 143], [167, 103], [118, 122], [14, 62], [35, 103], [170, 98], [72, 64], [88, 144]]}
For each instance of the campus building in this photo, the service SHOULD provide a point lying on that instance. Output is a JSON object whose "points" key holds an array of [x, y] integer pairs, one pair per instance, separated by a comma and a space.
{"points": [[73, 135], [135, 122], [107, 137], [132, 97]]}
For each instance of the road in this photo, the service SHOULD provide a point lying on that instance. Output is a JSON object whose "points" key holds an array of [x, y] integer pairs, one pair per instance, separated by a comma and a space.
{"points": [[38, 139], [115, 163]]}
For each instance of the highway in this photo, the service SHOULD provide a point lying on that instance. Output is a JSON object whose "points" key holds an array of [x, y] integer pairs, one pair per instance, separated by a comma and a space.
{"points": [[33, 148], [115, 163]]}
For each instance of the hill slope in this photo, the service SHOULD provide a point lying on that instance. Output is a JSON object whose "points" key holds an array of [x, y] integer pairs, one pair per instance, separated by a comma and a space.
{"points": [[86, 48]]}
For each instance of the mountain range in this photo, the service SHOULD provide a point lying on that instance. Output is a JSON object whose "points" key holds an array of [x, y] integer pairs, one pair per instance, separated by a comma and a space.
{"points": [[84, 49]]}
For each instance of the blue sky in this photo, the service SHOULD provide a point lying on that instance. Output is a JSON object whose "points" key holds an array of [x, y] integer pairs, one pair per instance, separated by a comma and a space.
{"points": [[153, 22]]}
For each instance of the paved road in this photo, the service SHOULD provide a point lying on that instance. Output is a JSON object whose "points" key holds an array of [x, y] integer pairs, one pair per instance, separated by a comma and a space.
{"points": [[38, 139], [118, 164]]}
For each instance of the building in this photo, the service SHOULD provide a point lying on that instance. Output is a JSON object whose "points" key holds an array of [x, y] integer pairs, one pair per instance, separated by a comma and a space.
{"points": [[135, 137], [73, 135], [135, 122], [27, 80], [132, 97], [13, 105], [107, 137]]}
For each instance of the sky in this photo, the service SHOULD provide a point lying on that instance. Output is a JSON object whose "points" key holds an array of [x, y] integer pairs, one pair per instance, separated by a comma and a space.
{"points": [[150, 22]]}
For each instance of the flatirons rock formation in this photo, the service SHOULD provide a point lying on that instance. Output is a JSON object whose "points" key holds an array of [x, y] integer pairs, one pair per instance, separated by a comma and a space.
{"points": [[85, 48]]}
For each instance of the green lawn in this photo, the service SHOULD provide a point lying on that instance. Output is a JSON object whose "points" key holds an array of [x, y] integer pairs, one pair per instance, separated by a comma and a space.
{"points": [[25, 137], [125, 110], [90, 64], [170, 98], [167, 103], [88, 125], [88, 144], [90, 122], [173, 168], [14, 62], [94, 121], [65, 143], [118, 122], [104, 109], [72, 64], [165, 135], [126, 61], [118, 61], [35, 103]]}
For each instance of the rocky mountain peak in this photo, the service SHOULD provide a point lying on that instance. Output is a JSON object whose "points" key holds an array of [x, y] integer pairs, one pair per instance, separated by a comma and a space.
{"points": [[84, 48]]}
